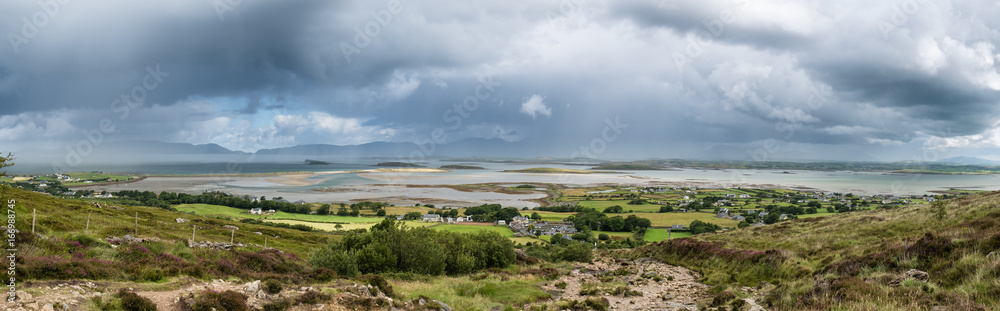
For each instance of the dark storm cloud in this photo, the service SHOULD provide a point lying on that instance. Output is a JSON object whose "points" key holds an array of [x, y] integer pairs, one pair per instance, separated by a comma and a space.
{"points": [[683, 74]]}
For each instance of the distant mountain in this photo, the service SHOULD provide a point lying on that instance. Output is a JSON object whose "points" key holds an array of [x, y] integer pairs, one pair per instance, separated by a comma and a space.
{"points": [[157, 147], [968, 161], [462, 148]]}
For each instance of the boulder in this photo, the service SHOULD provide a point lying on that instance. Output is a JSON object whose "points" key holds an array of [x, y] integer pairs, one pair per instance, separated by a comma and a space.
{"points": [[911, 274], [181, 220], [252, 287]]}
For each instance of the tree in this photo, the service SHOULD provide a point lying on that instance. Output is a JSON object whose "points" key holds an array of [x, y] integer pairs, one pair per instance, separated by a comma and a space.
{"points": [[338, 227], [7, 161], [535, 216], [666, 209], [614, 209], [323, 209], [380, 213]]}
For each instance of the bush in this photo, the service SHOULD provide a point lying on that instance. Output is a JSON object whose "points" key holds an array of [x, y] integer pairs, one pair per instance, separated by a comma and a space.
{"points": [[579, 252], [224, 301], [133, 302], [312, 297], [272, 286], [603, 237], [280, 305]]}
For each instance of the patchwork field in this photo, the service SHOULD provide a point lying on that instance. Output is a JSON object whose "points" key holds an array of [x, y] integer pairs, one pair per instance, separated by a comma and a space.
{"points": [[230, 212]]}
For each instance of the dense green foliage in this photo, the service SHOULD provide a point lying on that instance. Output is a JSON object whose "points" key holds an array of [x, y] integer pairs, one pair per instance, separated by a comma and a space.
{"points": [[591, 219], [391, 247], [491, 213], [699, 227]]}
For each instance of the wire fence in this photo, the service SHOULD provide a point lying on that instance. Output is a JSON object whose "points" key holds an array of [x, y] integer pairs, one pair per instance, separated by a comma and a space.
{"points": [[109, 224]]}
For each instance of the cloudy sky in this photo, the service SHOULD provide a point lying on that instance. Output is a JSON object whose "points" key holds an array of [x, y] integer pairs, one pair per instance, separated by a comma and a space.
{"points": [[765, 79]]}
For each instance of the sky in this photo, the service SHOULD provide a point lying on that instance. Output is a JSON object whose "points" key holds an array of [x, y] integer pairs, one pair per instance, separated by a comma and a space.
{"points": [[746, 79]]}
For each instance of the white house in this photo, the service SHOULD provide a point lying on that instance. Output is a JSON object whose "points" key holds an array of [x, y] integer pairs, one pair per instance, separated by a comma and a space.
{"points": [[255, 211]]}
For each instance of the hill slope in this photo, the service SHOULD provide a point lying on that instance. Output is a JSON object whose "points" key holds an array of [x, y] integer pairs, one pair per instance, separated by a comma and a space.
{"points": [[848, 261]]}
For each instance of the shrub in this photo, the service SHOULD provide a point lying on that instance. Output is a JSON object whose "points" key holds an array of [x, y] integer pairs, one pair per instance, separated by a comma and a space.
{"points": [[280, 305], [603, 237], [272, 286], [133, 302], [224, 301], [312, 297]]}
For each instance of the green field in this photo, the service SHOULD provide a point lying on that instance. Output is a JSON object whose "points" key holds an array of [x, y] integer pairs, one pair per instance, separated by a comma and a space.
{"points": [[601, 205], [669, 219], [328, 226], [475, 228], [656, 235], [231, 212]]}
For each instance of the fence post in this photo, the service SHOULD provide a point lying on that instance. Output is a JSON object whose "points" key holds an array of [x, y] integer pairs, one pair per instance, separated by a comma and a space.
{"points": [[668, 233], [87, 230], [265, 242], [232, 235], [33, 221], [136, 224], [193, 228]]}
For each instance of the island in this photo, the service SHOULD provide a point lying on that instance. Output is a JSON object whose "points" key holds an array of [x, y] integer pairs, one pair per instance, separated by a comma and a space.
{"points": [[397, 164], [550, 170], [461, 167], [316, 162]]}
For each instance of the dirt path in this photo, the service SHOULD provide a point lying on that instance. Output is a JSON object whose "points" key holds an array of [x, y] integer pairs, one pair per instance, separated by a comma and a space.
{"points": [[644, 284]]}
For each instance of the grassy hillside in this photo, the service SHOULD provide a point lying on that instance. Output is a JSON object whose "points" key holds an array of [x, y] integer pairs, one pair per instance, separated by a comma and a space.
{"points": [[63, 219], [846, 261]]}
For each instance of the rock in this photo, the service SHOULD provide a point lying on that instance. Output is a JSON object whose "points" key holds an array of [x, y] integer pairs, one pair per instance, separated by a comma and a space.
{"points": [[757, 308], [911, 274], [252, 287], [231, 227], [444, 306], [258, 233], [32, 306], [261, 294], [48, 307], [992, 254], [181, 220], [24, 296]]}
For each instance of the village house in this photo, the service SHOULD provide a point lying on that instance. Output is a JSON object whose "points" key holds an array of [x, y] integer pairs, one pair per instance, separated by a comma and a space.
{"points": [[431, 218], [677, 227], [255, 211]]}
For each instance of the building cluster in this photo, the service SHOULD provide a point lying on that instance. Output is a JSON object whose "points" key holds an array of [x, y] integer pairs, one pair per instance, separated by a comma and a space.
{"points": [[524, 226]]}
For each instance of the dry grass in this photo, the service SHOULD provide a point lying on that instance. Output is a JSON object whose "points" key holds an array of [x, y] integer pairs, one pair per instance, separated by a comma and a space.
{"points": [[845, 261]]}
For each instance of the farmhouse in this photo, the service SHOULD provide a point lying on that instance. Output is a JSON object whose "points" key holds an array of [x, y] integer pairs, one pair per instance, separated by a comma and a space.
{"points": [[255, 211], [431, 218]]}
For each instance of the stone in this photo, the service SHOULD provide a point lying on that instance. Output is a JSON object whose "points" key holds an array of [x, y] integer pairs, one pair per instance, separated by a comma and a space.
{"points": [[992, 255], [181, 220], [251, 287], [48, 307], [24, 296], [32, 306], [757, 308], [911, 274], [444, 306], [261, 294]]}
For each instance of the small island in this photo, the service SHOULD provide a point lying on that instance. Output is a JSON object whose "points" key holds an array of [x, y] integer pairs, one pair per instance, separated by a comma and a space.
{"points": [[316, 162], [549, 170], [397, 164], [628, 167], [461, 167]]}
